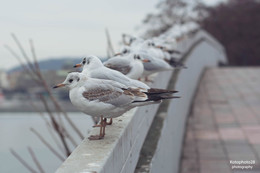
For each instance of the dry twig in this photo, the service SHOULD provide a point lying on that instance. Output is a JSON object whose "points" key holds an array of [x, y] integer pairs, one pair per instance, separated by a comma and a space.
{"points": [[35, 160], [23, 162], [48, 145]]}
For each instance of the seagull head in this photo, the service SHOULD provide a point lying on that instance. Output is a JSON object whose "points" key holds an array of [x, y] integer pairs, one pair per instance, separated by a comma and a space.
{"points": [[140, 58], [72, 80], [90, 62], [125, 50], [149, 43]]}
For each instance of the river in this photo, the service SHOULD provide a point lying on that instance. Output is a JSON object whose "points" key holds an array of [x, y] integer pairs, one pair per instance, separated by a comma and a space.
{"points": [[15, 133]]}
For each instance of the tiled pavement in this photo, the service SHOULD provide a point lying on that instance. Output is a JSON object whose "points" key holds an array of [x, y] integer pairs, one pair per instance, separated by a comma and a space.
{"points": [[224, 124]]}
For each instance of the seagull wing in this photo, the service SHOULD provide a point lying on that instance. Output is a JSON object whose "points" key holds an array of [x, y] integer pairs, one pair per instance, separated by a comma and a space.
{"points": [[110, 74], [119, 64], [109, 92]]}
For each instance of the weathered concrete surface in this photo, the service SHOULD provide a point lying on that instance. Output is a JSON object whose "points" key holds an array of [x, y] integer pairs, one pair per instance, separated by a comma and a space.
{"points": [[224, 123]]}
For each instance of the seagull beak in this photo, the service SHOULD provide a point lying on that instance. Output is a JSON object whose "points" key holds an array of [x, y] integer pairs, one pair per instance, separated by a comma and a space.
{"points": [[77, 65], [59, 85], [146, 60], [165, 49], [118, 54]]}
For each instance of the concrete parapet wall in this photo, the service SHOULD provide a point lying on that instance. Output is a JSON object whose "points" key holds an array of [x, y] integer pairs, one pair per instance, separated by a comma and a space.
{"points": [[169, 147]]}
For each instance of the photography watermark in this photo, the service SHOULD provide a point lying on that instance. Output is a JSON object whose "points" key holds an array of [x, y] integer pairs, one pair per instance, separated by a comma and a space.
{"points": [[242, 164]]}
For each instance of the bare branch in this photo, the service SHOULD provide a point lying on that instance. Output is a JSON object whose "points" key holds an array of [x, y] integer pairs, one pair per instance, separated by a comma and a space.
{"points": [[60, 130], [26, 69], [23, 162], [109, 43], [49, 127], [35, 160], [44, 84], [23, 52], [108, 53], [48, 145], [36, 65], [57, 106]]}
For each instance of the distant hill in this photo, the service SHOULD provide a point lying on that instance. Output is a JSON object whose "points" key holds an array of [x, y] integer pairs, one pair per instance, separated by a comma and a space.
{"points": [[52, 64]]}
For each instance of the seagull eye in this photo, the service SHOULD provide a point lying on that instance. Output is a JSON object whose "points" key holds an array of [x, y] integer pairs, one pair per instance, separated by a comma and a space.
{"points": [[71, 80], [125, 51], [138, 57], [84, 61]]}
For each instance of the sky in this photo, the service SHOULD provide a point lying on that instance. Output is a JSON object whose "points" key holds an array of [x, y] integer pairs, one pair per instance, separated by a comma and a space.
{"points": [[68, 28]]}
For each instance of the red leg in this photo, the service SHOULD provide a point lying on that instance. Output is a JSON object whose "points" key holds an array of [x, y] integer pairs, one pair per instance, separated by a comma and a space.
{"points": [[110, 122], [102, 130], [147, 79], [104, 127]]}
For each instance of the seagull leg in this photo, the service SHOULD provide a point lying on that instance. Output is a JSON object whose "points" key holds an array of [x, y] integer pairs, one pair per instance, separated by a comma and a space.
{"points": [[110, 122], [104, 126], [102, 131], [148, 80], [98, 125]]}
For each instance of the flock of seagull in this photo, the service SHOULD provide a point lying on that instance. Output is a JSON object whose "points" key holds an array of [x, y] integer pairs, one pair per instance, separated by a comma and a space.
{"points": [[109, 89]]}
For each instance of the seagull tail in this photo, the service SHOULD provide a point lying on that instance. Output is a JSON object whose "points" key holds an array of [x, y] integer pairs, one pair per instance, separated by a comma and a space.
{"points": [[160, 97], [156, 91], [175, 63], [156, 95], [172, 51]]}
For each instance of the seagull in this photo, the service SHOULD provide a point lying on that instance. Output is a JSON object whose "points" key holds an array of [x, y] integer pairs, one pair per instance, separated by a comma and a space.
{"points": [[151, 64], [93, 67], [108, 99], [158, 59], [130, 65]]}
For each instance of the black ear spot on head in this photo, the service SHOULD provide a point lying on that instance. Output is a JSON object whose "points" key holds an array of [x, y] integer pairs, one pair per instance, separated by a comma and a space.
{"points": [[78, 79], [84, 61]]}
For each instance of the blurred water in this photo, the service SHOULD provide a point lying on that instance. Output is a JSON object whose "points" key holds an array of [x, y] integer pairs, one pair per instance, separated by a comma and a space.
{"points": [[15, 133]]}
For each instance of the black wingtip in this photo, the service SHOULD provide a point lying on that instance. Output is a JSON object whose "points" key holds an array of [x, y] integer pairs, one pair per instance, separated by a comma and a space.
{"points": [[170, 97], [160, 91]]}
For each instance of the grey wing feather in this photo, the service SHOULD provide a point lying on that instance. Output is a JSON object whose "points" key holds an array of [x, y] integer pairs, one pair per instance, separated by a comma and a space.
{"points": [[121, 65], [157, 64], [110, 74], [114, 75], [107, 92]]}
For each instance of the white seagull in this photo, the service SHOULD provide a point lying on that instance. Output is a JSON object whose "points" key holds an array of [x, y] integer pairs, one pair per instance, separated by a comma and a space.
{"points": [[152, 64], [108, 99], [130, 65], [93, 67]]}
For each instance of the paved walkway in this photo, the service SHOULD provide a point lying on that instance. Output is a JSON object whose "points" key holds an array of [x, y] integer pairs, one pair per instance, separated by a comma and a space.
{"points": [[224, 124]]}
